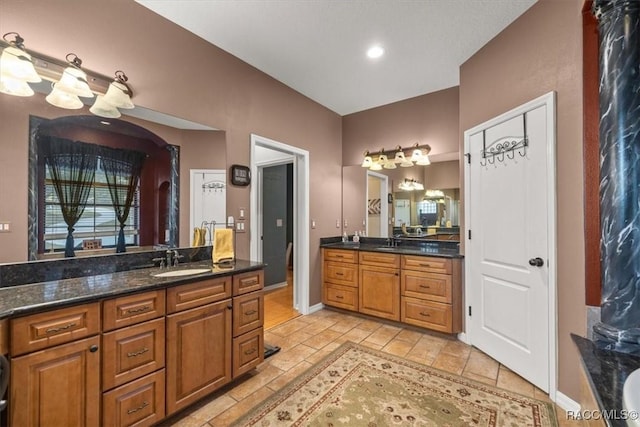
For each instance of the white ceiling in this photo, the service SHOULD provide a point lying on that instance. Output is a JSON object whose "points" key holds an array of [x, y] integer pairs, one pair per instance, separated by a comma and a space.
{"points": [[318, 47]]}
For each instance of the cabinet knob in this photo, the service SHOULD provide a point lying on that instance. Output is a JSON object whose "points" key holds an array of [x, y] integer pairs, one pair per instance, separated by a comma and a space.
{"points": [[230, 306], [93, 348]]}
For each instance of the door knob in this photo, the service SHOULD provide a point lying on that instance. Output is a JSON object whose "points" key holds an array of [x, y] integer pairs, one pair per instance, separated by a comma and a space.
{"points": [[536, 262]]}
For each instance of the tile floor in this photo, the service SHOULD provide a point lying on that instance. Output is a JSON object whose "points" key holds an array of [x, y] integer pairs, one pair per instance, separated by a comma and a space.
{"points": [[306, 339]]}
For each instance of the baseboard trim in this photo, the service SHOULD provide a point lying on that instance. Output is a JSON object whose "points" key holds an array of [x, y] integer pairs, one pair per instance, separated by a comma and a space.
{"points": [[275, 286], [567, 403], [464, 338], [314, 308]]}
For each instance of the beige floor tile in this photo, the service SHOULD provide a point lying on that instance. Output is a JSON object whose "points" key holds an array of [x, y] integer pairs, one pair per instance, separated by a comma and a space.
{"points": [[457, 348], [288, 358], [355, 335], [343, 326], [564, 421], [481, 364], [255, 382], [289, 327], [369, 325], [427, 349], [540, 394], [513, 382], [420, 359], [319, 326], [409, 336], [213, 408], [289, 376], [398, 347], [450, 363], [371, 345], [241, 408], [317, 356], [479, 378], [382, 335], [320, 340]]}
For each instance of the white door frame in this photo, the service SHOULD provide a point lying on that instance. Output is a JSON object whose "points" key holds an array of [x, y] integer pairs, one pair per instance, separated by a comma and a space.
{"points": [[300, 216], [547, 100], [384, 206]]}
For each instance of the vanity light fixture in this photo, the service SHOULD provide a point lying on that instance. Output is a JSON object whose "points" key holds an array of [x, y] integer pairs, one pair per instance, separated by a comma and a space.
{"points": [[419, 155], [410, 185], [18, 68]]}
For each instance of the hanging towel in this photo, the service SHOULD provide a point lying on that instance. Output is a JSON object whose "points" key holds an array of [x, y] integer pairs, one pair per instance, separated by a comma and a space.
{"points": [[199, 236], [223, 245]]}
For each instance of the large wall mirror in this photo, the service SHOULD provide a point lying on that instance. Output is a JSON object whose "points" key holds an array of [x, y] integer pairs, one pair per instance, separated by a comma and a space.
{"points": [[172, 146], [415, 202]]}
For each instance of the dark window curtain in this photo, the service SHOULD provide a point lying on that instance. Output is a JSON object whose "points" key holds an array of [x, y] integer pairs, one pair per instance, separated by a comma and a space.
{"points": [[72, 165], [122, 169]]}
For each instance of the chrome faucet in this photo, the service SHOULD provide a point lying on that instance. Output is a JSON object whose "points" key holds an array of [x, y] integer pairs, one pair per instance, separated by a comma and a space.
{"points": [[176, 257]]}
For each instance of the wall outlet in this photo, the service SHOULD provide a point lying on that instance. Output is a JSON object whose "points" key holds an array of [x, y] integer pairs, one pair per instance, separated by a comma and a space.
{"points": [[346, 223], [5, 227], [337, 223]]}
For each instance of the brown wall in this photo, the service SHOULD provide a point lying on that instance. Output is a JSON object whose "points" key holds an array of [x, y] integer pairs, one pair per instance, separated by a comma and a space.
{"points": [[175, 72], [427, 119], [538, 53]]}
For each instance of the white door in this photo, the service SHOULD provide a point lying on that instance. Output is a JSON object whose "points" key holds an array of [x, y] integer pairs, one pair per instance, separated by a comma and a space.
{"points": [[510, 215]]}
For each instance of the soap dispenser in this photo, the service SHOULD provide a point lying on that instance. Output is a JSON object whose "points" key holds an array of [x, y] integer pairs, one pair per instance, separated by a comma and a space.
{"points": [[356, 238], [345, 238]]}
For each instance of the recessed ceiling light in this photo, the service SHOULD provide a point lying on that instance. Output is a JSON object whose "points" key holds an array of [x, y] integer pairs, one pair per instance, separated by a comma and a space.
{"points": [[375, 52]]}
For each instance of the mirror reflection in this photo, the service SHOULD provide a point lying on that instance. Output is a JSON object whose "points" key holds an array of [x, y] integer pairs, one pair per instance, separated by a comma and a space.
{"points": [[421, 202]]}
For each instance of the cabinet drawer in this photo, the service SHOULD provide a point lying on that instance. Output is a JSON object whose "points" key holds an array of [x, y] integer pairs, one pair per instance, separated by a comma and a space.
{"points": [[248, 282], [340, 296], [341, 273], [429, 264], [199, 293], [248, 351], [131, 309], [132, 352], [50, 328], [248, 312], [340, 255], [139, 403], [380, 259], [430, 286], [427, 314]]}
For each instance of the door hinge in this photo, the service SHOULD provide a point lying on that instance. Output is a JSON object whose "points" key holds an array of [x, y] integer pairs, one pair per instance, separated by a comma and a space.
{"points": [[469, 234], [469, 311], [468, 158]]}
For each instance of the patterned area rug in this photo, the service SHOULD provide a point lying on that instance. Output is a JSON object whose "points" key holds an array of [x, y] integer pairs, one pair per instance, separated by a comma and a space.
{"points": [[358, 386]]}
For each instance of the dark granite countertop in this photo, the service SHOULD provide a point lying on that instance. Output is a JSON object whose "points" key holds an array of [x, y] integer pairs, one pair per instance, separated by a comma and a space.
{"points": [[435, 248], [33, 297], [607, 371]]}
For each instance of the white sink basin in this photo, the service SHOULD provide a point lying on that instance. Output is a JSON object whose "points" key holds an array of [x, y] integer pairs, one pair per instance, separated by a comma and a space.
{"points": [[631, 397], [178, 273]]}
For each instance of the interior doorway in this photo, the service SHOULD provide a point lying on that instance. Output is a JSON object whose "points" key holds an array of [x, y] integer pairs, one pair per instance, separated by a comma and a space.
{"points": [[377, 205], [266, 152]]}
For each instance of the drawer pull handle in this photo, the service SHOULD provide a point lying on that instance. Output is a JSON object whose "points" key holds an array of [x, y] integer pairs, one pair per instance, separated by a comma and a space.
{"points": [[61, 328], [134, 410], [425, 265], [251, 351], [339, 256], [250, 312], [339, 297], [250, 282], [422, 313], [339, 274], [425, 286], [138, 310], [137, 353]]}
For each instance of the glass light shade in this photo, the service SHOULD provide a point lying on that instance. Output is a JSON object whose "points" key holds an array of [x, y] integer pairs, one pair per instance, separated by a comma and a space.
{"points": [[382, 159], [417, 154], [15, 87], [389, 164], [399, 158], [424, 160], [16, 63], [418, 186], [376, 166], [74, 82], [103, 108], [63, 99], [404, 186], [117, 96], [367, 162]]}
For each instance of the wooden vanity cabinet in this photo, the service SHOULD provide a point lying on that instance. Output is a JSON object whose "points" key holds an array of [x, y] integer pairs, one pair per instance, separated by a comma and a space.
{"points": [[432, 293], [55, 368], [379, 287], [198, 341], [248, 322], [340, 278]]}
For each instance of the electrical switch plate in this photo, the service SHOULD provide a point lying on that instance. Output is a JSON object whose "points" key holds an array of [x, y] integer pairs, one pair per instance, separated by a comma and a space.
{"points": [[313, 223], [241, 216], [346, 224], [5, 227], [337, 223]]}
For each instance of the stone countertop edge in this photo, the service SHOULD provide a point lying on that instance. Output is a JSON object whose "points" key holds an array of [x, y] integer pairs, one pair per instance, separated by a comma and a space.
{"points": [[606, 371], [35, 297], [411, 250]]}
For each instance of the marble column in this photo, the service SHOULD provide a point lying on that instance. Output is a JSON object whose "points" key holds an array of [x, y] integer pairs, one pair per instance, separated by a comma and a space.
{"points": [[174, 197], [619, 326]]}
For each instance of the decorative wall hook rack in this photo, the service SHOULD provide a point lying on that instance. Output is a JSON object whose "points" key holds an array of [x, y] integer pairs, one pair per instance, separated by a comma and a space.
{"points": [[505, 146]]}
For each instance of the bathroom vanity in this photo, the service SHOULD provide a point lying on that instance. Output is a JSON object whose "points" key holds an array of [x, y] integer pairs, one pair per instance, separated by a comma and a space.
{"points": [[420, 285], [129, 347]]}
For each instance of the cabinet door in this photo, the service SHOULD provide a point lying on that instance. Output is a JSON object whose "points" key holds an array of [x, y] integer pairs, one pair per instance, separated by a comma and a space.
{"points": [[59, 386], [379, 292], [198, 353]]}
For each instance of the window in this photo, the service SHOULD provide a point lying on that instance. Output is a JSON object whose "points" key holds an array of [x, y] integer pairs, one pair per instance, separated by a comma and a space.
{"points": [[98, 221]]}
